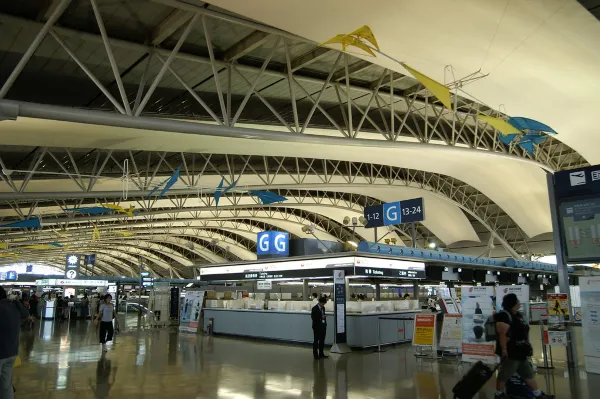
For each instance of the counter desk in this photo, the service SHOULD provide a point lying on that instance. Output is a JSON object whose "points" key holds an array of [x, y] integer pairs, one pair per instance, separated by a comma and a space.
{"points": [[296, 326]]}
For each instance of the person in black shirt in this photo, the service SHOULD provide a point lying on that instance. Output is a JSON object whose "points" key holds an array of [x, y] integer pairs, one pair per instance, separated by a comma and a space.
{"points": [[11, 315], [514, 348], [319, 326]]}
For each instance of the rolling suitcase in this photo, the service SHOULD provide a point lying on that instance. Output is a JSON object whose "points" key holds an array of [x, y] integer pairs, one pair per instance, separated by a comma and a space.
{"points": [[473, 381]]}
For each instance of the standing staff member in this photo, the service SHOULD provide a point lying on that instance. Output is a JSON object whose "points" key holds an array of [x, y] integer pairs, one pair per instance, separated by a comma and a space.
{"points": [[105, 316], [319, 326]]}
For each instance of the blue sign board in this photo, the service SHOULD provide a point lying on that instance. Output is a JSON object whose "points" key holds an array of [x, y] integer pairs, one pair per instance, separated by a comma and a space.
{"points": [[407, 211], [273, 243], [11, 275], [29, 269]]}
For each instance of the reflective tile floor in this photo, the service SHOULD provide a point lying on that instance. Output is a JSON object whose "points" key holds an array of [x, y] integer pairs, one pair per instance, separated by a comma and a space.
{"points": [[62, 360]]}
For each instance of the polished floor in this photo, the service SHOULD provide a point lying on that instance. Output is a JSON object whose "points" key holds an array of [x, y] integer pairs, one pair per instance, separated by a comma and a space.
{"points": [[63, 360]]}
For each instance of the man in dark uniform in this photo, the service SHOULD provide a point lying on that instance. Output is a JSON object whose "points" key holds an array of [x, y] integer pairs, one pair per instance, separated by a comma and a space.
{"points": [[319, 326]]}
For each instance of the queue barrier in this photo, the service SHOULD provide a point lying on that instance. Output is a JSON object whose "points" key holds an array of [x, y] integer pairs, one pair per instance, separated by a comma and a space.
{"points": [[379, 328]]}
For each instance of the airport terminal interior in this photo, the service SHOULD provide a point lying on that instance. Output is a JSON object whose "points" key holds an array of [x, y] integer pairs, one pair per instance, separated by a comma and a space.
{"points": [[317, 199]]}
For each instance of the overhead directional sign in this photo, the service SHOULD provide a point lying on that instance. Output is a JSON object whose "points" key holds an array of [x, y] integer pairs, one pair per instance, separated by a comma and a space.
{"points": [[407, 211]]}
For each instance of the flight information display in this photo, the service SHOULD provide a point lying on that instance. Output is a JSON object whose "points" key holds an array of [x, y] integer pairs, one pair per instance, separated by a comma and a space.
{"points": [[580, 220]]}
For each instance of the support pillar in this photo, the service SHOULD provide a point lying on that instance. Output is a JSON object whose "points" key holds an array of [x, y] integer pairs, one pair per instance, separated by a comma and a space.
{"points": [[378, 291], [561, 264], [305, 294], [416, 290], [347, 289]]}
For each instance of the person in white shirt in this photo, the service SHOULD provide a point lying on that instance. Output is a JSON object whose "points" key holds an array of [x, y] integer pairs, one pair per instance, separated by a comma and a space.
{"points": [[105, 318]]}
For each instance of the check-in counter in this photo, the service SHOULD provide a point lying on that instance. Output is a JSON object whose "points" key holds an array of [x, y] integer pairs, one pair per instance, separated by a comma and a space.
{"points": [[296, 326]]}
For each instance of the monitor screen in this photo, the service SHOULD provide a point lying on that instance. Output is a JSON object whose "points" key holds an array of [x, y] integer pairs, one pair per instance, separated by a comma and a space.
{"points": [[479, 275], [466, 275], [514, 277], [580, 227], [504, 277], [434, 273]]}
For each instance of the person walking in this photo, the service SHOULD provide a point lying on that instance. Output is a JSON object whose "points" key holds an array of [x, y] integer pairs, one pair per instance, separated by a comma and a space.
{"points": [[514, 348], [105, 318], [12, 313], [319, 326]]}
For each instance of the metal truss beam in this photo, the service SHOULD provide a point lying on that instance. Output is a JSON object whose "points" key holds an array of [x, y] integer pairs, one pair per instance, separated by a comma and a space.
{"points": [[301, 171], [246, 45], [474, 133], [169, 25]]}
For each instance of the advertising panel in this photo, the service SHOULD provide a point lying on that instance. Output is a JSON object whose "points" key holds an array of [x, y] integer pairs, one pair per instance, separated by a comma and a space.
{"points": [[477, 307], [191, 311], [522, 293]]}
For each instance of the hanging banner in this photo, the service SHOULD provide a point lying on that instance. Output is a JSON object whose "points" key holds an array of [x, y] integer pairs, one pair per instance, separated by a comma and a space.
{"points": [[477, 307], [558, 304], [451, 332], [590, 309], [191, 311], [522, 293], [424, 331]]}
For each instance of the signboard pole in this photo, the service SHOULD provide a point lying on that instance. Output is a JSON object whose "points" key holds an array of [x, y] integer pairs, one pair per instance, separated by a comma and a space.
{"points": [[563, 273], [339, 313], [413, 234]]}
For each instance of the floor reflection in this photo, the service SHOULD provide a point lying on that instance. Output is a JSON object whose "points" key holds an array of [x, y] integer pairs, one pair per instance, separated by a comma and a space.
{"points": [[64, 360]]}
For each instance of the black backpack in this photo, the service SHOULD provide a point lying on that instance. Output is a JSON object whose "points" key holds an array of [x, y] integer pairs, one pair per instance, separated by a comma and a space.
{"points": [[490, 327]]}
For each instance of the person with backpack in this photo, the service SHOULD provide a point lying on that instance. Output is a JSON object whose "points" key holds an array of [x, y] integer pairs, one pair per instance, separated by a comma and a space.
{"points": [[514, 348]]}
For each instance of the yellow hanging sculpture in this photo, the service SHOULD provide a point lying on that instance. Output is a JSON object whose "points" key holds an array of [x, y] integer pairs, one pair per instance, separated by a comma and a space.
{"points": [[364, 39], [355, 39]]}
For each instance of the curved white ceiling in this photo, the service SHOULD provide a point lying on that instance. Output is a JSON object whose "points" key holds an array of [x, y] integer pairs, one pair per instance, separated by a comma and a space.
{"points": [[518, 187], [543, 62]]}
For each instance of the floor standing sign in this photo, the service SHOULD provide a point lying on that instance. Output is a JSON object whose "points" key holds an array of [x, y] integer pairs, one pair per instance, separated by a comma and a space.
{"points": [[590, 309], [424, 331], [451, 337], [191, 311], [477, 307], [339, 312]]}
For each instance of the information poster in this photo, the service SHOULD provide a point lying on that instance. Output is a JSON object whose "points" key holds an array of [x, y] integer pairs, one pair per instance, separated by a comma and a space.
{"points": [[522, 293], [451, 332], [339, 283], [558, 304], [557, 338], [191, 311], [424, 331], [477, 307], [590, 309]]}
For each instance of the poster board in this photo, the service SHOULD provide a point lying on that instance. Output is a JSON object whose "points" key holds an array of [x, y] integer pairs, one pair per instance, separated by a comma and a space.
{"points": [[477, 306], [590, 309], [424, 331], [522, 293], [191, 311], [451, 337], [558, 304]]}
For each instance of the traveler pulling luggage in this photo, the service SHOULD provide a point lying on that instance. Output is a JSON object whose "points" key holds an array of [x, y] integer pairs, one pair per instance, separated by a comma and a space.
{"points": [[511, 334]]}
